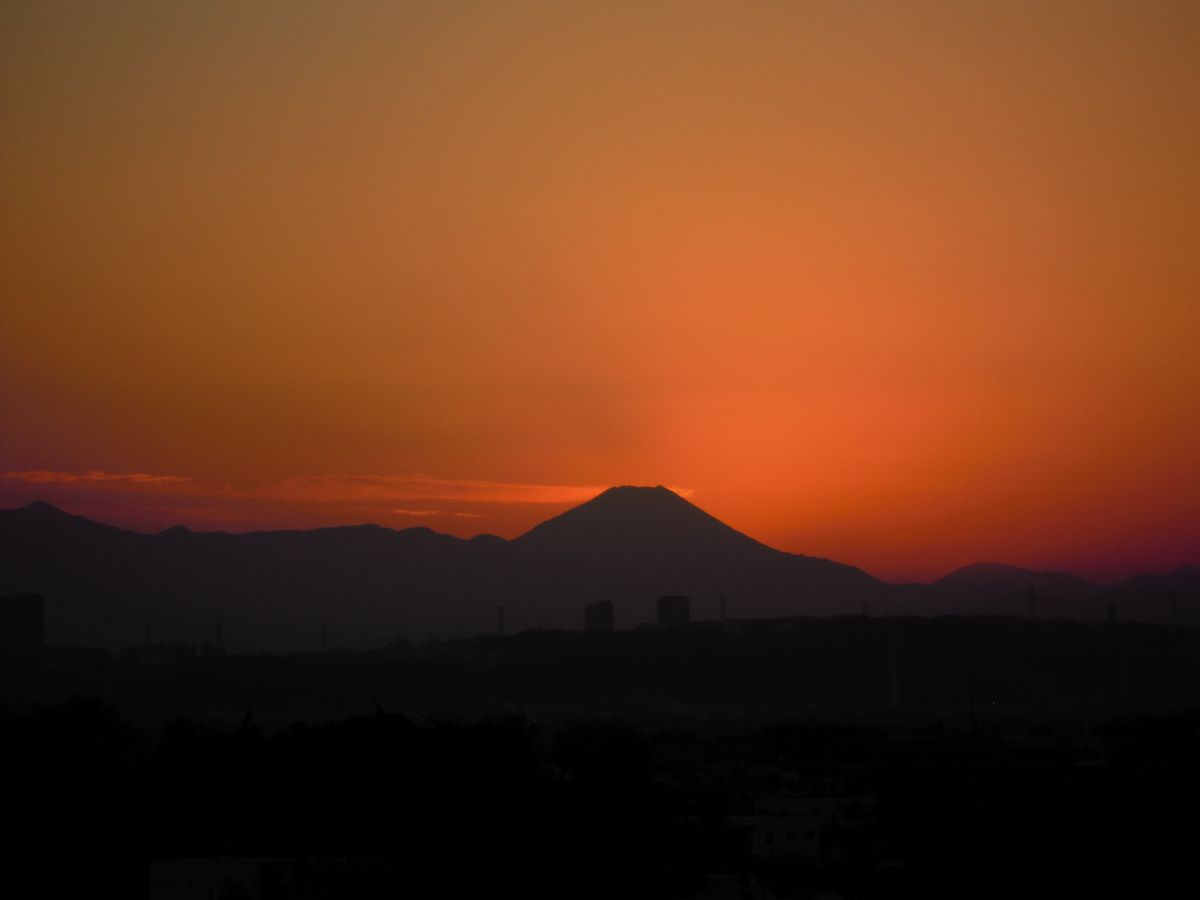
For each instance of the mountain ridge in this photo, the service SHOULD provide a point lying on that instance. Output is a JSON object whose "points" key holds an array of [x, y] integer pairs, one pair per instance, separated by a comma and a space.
{"points": [[370, 583]]}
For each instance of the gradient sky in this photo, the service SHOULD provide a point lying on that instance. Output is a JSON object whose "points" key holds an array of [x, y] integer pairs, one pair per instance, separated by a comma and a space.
{"points": [[906, 285]]}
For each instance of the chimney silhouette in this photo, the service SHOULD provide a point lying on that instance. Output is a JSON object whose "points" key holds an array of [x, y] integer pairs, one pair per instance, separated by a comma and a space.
{"points": [[1126, 682], [894, 670], [500, 619], [1032, 603], [973, 694]]}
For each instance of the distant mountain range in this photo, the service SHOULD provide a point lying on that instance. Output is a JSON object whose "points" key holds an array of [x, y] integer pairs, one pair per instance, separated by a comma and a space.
{"points": [[363, 586]]}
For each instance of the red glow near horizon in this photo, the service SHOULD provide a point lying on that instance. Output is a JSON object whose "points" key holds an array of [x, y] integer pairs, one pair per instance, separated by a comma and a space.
{"points": [[152, 504], [903, 291]]}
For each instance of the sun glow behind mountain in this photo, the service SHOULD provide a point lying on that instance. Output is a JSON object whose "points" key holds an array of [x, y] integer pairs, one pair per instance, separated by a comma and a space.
{"points": [[904, 286]]}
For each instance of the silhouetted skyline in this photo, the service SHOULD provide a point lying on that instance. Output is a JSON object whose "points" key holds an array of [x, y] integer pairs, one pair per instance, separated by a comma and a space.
{"points": [[362, 586]]}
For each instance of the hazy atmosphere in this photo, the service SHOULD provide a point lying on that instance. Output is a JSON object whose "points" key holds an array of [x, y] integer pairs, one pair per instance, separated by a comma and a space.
{"points": [[656, 450], [907, 286]]}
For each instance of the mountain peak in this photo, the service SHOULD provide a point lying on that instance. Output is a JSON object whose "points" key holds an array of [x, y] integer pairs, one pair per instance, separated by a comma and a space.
{"points": [[636, 488], [630, 494], [631, 518], [40, 509], [1002, 572], [42, 514], [39, 516]]}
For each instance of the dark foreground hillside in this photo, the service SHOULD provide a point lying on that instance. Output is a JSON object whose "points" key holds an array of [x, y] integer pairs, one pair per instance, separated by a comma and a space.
{"points": [[382, 806], [797, 758]]}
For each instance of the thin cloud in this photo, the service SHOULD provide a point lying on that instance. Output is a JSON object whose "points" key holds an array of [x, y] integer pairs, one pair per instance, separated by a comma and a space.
{"points": [[337, 488], [357, 488], [94, 476], [418, 496]]}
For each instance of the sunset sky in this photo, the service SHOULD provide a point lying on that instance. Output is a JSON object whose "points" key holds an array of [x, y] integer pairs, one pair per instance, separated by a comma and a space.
{"points": [[907, 285]]}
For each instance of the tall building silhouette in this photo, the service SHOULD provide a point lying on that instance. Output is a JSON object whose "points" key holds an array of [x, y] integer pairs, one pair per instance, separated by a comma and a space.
{"points": [[674, 611], [598, 616], [22, 628]]}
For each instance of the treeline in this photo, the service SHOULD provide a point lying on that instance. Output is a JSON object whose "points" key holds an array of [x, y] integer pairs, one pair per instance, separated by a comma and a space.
{"points": [[383, 806], [451, 809]]}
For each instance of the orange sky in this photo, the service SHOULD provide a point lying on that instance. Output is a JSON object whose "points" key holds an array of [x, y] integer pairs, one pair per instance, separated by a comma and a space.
{"points": [[904, 285]]}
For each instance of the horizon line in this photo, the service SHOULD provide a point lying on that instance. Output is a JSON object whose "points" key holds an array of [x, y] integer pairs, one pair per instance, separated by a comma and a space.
{"points": [[483, 534]]}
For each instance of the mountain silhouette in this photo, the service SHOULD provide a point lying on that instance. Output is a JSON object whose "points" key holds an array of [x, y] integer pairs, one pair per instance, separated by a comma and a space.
{"points": [[627, 520], [1171, 597], [363, 586], [997, 589], [640, 542]]}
